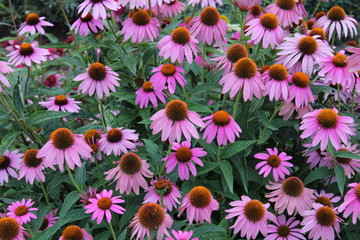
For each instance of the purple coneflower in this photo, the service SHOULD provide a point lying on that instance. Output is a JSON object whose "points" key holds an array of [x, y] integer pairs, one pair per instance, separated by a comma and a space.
{"points": [[61, 103], [83, 24], [22, 211], [168, 75], [27, 53], [32, 167], [33, 23]]}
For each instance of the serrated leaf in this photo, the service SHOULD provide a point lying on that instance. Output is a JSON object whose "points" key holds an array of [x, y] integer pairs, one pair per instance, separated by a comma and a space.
{"points": [[226, 169], [42, 116], [7, 141], [233, 148], [340, 177]]}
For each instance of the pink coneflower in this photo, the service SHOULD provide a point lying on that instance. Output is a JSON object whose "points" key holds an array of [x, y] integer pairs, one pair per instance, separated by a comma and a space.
{"points": [[176, 120], [22, 211], [130, 173], [172, 8], [150, 217], [289, 107], [254, 12], [170, 192], [300, 91], [33, 23], [233, 54], [336, 19], [87, 195], [64, 145], [326, 125], [74, 232], [275, 163], [133, 3], [178, 45], [244, 77], [301, 9], [299, 53], [276, 82], [11, 229], [92, 138], [103, 205], [53, 80], [8, 162], [140, 26], [316, 157], [98, 7], [27, 53], [4, 69], [286, 11], [326, 199], [209, 26], [180, 235], [99, 78], [118, 140], [252, 216], [83, 24], [290, 194], [222, 125], [284, 229], [158, 3], [168, 75], [199, 204], [61, 103], [351, 165], [32, 167], [351, 204], [184, 157], [353, 60], [265, 29], [321, 221], [149, 93], [49, 220], [205, 3]]}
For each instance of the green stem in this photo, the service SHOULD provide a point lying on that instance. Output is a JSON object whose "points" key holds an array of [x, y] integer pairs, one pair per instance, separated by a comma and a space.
{"points": [[339, 98], [112, 231], [353, 100], [236, 106], [112, 30], [27, 79], [64, 13], [316, 8], [73, 179], [12, 15], [224, 101], [164, 163], [277, 109], [185, 95], [102, 112], [193, 12], [203, 65], [45, 193], [218, 153], [162, 200]]}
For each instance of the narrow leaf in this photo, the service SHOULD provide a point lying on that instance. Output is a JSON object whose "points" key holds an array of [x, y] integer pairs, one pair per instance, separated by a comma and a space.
{"points": [[226, 169]]}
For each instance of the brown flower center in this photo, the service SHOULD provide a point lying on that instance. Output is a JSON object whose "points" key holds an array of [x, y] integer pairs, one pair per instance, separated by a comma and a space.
{"points": [[183, 154], [97, 71], [114, 135], [318, 31], [32, 19], [320, 15], [308, 45], [4, 162], [293, 186], [21, 210], [72, 232], [61, 100], [151, 215], [325, 216], [163, 185], [269, 21], [264, 68], [176, 110], [343, 160], [92, 135], [62, 138], [301, 79], [256, 10], [351, 43], [130, 163], [283, 230], [168, 69], [339, 60], [94, 147], [278, 72], [148, 87], [138, 80], [87, 18], [200, 197], [181, 35], [221, 118], [26, 49], [141, 17], [9, 228], [236, 52], [245, 68], [254, 210], [274, 160], [104, 203], [324, 201], [357, 191], [210, 16], [286, 4], [327, 118], [44, 224], [30, 158], [310, 24], [336, 13]]}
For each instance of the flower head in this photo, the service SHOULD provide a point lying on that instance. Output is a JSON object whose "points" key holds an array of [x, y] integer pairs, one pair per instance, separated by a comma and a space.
{"points": [[49, 220], [300, 91], [92, 138], [33, 23], [180, 235], [4, 69], [27, 53], [284, 229], [276, 82], [353, 60], [171, 8], [22, 211], [351, 204], [233, 54], [168, 75], [11, 229], [83, 24], [53, 80], [286, 11], [8, 162], [87, 195], [98, 7], [205, 3], [32, 167], [61, 103], [326, 199], [75, 232], [118, 140], [149, 93]]}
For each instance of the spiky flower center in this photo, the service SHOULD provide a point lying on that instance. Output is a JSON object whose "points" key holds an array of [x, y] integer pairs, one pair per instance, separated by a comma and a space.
{"points": [[293, 186], [200, 197], [151, 215], [342, 160], [264, 68], [183, 154], [325, 216], [256, 10], [139, 80], [9, 228], [286, 4], [97, 71], [148, 87], [324, 201], [141, 17], [278, 72], [130, 163], [283, 230], [336, 13], [163, 185], [301, 79], [210, 16], [339, 60], [32, 19], [72, 233], [114, 135], [26, 49], [168, 70], [94, 148], [254, 210], [104, 203], [181, 35], [30, 158], [245, 68], [318, 31], [319, 15], [21, 210], [92, 135], [87, 18], [4, 162], [61, 100], [236, 52], [274, 160], [308, 45], [357, 191], [310, 24], [221, 118], [176, 110], [44, 224], [269, 21], [62, 138], [327, 118]]}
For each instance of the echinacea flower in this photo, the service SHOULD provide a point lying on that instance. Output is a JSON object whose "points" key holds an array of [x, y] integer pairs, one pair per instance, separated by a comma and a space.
{"points": [[172, 8], [133, 3], [255, 11], [276, 82], [176, 120], [205, 3], [275, 163], [83, 24], [233, 54], [300, 53], [49, 220], [284, 229], [181, 235], [4, 69], [103, 205], [326, 199], [33, 23], [140, 27], [222, 126], [149, 93], [290, 194], [75, 232], [87, 195], [99, 78], [61, 103], [22, 211], [8, 162], [92, 138], [11, 229], [168, 75], [184, 158], [169, 191], [53, 80], [98, 7], [300, 91], [353, 60], [179, 45], [336, 19], [265, 29], [318, 31], [321, 221], [316, 157], [118, 140], [326, 125], [289, 107], [32, 167], [351, 165], [286, 11], [209, 26], [244, 77], [27, 53], [252, 216], [150, 217], [129, 173], [351, 204], [199, 205], [154, 3], [64, 145]]}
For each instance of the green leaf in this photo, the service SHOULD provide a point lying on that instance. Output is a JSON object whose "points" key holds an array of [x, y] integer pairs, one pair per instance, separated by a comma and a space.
{"points": [[208, 231], [204, 87], [7, 141], [233, 148], [340, 177], [264, 119], [130, 62], [69, 201], [80, 175], [7, 39], [347, 154], [57, 45], [200, 108], [318, 173], [154, 154], [240, 163], [208, 166], [122, 96], [226, 169], [42, 116], [264, 135]]}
